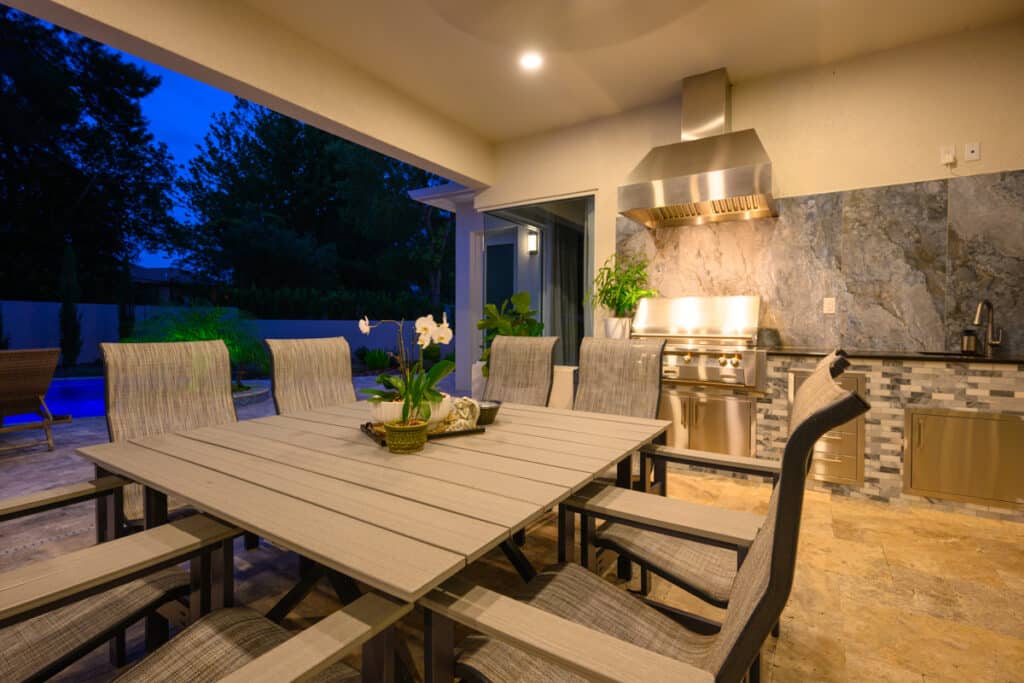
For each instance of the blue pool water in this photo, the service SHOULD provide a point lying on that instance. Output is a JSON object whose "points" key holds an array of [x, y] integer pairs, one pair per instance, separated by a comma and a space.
{"points": [[77, 397]]}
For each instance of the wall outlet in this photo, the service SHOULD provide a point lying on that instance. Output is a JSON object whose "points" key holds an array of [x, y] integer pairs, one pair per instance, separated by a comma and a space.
{"points": [[828, 305], [947, 155], [972, 151]]}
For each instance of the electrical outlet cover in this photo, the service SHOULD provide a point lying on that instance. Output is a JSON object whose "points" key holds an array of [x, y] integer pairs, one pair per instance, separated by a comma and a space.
{"points": [[828, 305], [972, 151], [947, 155]]}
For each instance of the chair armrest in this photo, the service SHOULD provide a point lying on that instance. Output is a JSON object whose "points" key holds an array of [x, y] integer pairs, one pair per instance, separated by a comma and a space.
{"points": [[40, 501], [722, 461], [675, 517], [592, 654], [316, 648], [48, 584]]}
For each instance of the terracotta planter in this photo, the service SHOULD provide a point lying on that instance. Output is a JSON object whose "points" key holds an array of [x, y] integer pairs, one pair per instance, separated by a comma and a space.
{"points": [[617, 328], [405, 438], [383, 413]]}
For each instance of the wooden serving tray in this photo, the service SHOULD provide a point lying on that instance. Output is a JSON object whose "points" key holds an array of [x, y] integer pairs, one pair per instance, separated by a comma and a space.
{"points": [[376, 432]]}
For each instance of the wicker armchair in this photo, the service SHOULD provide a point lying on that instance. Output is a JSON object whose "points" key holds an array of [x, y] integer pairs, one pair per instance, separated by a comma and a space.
{"points": [[759, 593], [521, 370], [310, 373], [169, 387]]}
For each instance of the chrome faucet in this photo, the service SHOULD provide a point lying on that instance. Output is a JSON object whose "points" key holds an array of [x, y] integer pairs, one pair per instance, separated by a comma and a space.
{"points": [[990, 339]]}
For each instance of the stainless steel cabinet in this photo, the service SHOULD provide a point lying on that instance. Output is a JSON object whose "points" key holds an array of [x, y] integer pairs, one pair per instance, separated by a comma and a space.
{"points": [[720, 423], [839, 454], [964, 456]]}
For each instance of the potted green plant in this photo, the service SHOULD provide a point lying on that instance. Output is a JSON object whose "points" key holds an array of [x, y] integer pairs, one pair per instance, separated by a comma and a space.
{"points": [[409, 402], [514, 318], [618, 287]]}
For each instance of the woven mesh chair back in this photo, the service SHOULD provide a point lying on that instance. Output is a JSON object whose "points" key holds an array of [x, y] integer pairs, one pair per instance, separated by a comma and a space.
{"points": [[164, 387], [765, 578], [25, 377], [620, 376], [521, 370], [311, 373]]}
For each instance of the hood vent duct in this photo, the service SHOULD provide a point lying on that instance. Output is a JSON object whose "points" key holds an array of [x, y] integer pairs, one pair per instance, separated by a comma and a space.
{"points": [[712, 175]]}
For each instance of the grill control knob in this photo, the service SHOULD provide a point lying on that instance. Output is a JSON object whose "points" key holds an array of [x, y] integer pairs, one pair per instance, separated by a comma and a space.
{"points": [[735, 361], [722, 361], [688, 358]]}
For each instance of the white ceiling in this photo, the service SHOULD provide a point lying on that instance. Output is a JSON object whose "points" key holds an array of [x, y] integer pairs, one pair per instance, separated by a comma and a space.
{"points": [[459, 57]]}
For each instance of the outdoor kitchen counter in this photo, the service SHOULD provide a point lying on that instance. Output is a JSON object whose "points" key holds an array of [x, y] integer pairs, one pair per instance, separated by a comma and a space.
{"points": [[936, 356]]}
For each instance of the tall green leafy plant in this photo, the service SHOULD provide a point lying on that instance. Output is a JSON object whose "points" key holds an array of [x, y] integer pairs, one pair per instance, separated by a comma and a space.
{"points": [[248, 356], [514, 318], [620, 284], [70, 318]]}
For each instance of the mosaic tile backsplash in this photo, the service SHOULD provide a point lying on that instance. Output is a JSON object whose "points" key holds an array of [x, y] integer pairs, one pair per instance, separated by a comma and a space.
{"points": [[907, 264], [892, 387]]}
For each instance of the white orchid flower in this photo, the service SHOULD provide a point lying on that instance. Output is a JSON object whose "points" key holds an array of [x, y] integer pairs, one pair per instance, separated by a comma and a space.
{"points": [[425, 325], [424, 340], [364, 325], [442, 333]]}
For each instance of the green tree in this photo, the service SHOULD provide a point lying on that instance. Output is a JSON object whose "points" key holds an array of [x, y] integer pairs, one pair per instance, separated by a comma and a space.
{"points": [[276, 203], [70, 318], [77, 160]]}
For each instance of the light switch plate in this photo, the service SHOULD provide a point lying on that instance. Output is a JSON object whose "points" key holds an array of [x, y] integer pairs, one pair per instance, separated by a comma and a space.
{"points": [[972, 151], [947, 155], [828, 305]]}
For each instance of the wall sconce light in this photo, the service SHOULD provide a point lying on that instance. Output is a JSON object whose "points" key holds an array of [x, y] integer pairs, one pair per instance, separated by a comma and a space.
{"points": [[532, 242]]}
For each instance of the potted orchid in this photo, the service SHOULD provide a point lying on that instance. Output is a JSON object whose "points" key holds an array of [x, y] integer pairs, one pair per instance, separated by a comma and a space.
{"points": [[409, 402]]}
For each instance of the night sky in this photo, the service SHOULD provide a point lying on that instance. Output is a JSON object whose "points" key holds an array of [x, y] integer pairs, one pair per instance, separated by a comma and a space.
{"points": [[179, 113]]}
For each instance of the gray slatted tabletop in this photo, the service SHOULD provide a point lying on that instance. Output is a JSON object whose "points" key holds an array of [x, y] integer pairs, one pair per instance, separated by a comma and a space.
{"points": [[313, 483]]}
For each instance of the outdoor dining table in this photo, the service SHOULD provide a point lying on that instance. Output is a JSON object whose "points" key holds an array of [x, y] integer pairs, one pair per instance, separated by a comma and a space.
{"points": [[315, 484]]}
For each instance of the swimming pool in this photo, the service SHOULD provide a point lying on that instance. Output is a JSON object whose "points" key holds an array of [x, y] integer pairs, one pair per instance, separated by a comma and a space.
{"points": [[77, 397]]}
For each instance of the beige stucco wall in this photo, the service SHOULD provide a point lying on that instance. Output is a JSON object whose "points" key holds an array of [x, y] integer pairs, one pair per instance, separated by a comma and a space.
{"points": [[874, 120]]}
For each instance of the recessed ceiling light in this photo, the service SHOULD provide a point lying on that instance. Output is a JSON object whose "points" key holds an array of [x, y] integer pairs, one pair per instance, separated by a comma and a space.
{"points": [[531, 61]]}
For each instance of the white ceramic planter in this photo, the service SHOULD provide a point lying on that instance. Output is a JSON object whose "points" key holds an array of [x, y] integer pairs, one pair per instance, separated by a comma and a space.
{"points": [[392, 411], [617, 328]]}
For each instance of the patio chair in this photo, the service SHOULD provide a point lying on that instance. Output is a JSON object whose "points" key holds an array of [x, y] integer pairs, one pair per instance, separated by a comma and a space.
{"points": [[521, 370], [620, 376], [569, 593], [704, 567], [164, 387], [239, 645], [25, 377], [307, 374]]}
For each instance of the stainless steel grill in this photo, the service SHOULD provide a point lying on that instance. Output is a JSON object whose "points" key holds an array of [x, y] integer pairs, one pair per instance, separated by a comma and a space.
{"points": [[711, 371]]}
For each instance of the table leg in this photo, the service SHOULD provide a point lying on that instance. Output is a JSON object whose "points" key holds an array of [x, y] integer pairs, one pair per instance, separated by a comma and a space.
{"points": [[519, 560], [624, 479], [222, 574], [379, 658], [110, 525], [438, 648], [588, 551], [566, 534], [155, 514], [199, 588]]}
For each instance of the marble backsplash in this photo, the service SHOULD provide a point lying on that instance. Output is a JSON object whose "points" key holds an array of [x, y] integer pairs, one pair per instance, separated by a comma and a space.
{"points": [[907, 264]]}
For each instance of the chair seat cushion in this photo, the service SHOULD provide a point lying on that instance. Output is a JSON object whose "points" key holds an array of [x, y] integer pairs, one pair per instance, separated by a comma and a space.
{"points": [[30, 648], [706, 570], [578, 595], [218, 644]]}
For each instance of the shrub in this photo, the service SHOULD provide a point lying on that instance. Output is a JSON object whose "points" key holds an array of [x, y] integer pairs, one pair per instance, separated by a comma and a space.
{"points": [[431, 354], [360, 354], [377, 359], [248, 355]]}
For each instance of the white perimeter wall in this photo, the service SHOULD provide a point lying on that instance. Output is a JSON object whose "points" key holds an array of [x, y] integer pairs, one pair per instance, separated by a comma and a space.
{"points": [[36, 324]]}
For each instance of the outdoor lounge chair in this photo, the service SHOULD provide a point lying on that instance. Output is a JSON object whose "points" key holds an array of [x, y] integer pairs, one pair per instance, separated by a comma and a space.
{"points": [[25, 377], [620, 376], [310, 373], [569, 593], [164, 387], [521, 370]]}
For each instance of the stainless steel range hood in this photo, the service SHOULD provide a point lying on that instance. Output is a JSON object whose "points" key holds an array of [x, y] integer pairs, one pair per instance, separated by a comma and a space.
{"points": [[712, 175]]}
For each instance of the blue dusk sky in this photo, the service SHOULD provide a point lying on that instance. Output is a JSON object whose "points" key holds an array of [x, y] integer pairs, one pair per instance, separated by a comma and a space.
{"points": [[179, 112]]}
